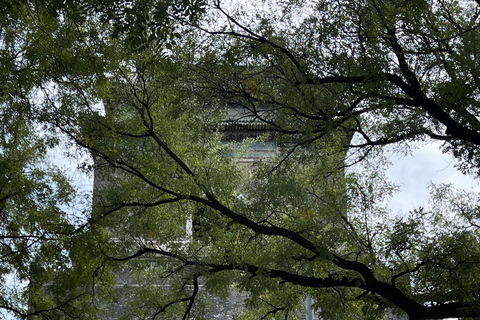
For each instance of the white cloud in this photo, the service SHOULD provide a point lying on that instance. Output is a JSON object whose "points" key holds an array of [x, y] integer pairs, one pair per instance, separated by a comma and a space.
{"points": [[417, 171]]}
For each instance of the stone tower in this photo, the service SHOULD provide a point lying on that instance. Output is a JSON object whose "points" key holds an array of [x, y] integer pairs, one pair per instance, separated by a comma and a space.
{"points": [[234, 132], [236, 129]]}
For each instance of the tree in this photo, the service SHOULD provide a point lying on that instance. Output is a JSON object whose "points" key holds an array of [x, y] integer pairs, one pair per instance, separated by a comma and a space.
{"points": [[50, 71], [317, 73], [391, 73], [36, 224]]}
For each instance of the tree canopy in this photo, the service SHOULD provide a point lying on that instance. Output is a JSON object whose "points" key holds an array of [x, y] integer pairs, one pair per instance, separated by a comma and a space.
{"points": [[144, 87]]}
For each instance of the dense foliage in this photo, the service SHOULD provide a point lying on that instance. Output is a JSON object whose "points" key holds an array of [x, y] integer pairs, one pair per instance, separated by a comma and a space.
{"points": [[144, 87]]}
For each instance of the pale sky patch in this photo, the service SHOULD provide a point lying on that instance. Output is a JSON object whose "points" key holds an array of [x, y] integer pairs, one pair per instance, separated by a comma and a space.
{"points": [[415, 172]]}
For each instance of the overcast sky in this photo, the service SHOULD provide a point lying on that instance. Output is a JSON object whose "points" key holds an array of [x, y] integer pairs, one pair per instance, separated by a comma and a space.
{"points": [[415, 172]]}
